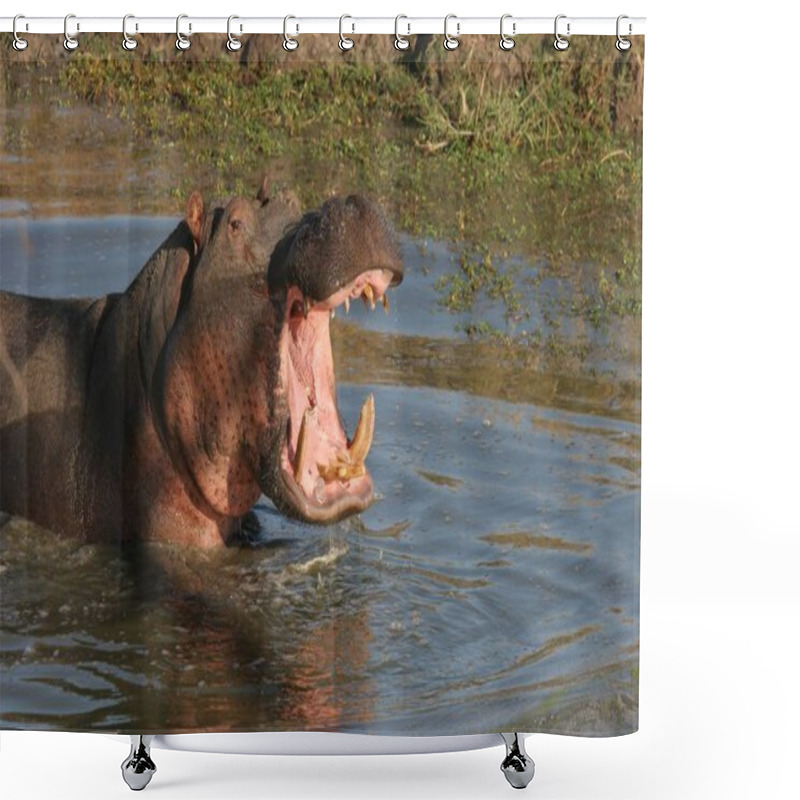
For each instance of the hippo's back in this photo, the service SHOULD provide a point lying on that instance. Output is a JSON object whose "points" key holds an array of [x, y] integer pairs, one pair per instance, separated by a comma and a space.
{"points": [[45, 352], [45, 346]]}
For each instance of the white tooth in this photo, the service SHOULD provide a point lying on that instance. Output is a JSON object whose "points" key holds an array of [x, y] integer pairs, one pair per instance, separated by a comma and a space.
{"points": [[369, 295], [356, 471], [300, 450], [343, 457], [362, 440], [347, 305], [340, 472], [386, 303], [333, 313]]}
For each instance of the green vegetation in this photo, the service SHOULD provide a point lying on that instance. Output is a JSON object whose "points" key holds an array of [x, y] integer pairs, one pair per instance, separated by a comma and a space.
{"points": [[479, 274], [533, 161]]}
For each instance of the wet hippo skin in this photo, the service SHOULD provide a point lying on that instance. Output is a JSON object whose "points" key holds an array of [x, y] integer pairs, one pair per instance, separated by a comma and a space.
{"points": [[163, 413]]}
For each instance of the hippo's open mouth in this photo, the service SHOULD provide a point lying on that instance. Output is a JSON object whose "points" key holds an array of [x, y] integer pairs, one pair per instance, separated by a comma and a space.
{"points": [[324, 473]]}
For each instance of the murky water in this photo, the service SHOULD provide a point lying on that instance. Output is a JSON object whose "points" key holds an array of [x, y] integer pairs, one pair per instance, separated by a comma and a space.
{"points": [[493, 585]]}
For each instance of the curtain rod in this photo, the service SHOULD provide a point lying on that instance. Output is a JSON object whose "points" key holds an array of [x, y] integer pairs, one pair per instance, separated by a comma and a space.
{"points": [[187, 25]]}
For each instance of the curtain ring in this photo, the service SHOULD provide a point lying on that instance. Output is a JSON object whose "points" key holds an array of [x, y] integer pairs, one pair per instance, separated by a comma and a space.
{"points": [[506, 42], [450, 42], [623, 44], [561, 43], [290, 43], [182, 43], [233, 44], [70, 42], [128, 42], [400, 42], [18, 44], [345, 43]]}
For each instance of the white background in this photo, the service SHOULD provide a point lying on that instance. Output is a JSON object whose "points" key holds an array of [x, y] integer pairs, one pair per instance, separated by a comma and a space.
{"points": [[720, 616]]}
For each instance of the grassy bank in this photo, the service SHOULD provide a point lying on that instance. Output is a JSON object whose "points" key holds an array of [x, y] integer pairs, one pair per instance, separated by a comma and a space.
{"points": [[532, 155]]}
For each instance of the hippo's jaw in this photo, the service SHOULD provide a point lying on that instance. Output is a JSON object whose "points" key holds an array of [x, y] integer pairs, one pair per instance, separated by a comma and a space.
{"points": [[323, 475]]}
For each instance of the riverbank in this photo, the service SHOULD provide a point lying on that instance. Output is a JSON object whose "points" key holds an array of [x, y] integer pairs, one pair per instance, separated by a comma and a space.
{"points": [[531, 155]]}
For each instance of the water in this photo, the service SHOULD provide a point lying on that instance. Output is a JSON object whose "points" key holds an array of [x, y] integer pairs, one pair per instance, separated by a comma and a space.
{"points": [[493, 585]]}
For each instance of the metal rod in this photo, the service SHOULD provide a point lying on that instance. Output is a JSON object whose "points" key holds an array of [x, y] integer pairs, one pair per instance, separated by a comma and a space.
{"points": [[602, 26]]}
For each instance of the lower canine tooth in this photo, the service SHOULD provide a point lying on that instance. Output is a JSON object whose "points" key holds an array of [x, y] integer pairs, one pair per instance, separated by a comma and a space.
{"points": [[362, 439], [343, 458], [386, 303], [300, 450], [347, 305]]}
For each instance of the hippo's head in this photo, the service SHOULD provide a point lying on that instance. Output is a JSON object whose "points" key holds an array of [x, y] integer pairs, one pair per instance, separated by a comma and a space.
{"points": [[246, 398], [344, 251]]}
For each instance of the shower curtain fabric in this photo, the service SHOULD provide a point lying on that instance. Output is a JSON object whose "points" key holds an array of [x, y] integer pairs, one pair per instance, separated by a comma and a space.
{"points": [[321, 386]]}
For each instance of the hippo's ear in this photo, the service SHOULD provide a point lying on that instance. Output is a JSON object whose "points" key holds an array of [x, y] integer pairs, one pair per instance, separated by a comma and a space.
{"points": [[194, 217], [264, 191]]}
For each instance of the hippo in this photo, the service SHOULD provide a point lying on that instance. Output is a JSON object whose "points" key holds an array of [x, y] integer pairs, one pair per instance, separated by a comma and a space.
{"points": [[164, 412]]}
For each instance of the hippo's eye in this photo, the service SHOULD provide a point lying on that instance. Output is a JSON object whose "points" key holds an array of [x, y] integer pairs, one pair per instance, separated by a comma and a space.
{"points": [[236, 225]]}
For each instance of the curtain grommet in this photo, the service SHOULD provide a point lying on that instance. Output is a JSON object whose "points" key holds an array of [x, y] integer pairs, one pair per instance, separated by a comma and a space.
{"points": [[450, 42], [561, 43], [182, 42], [70, 42], [233, 44], [345, 43], [623, 44], [400, 42], [290, 43], [18, 44], [507, 42], [128, 42]]}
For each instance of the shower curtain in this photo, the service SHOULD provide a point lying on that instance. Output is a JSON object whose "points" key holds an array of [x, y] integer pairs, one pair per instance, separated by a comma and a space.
{"points": [[321, 381]]}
